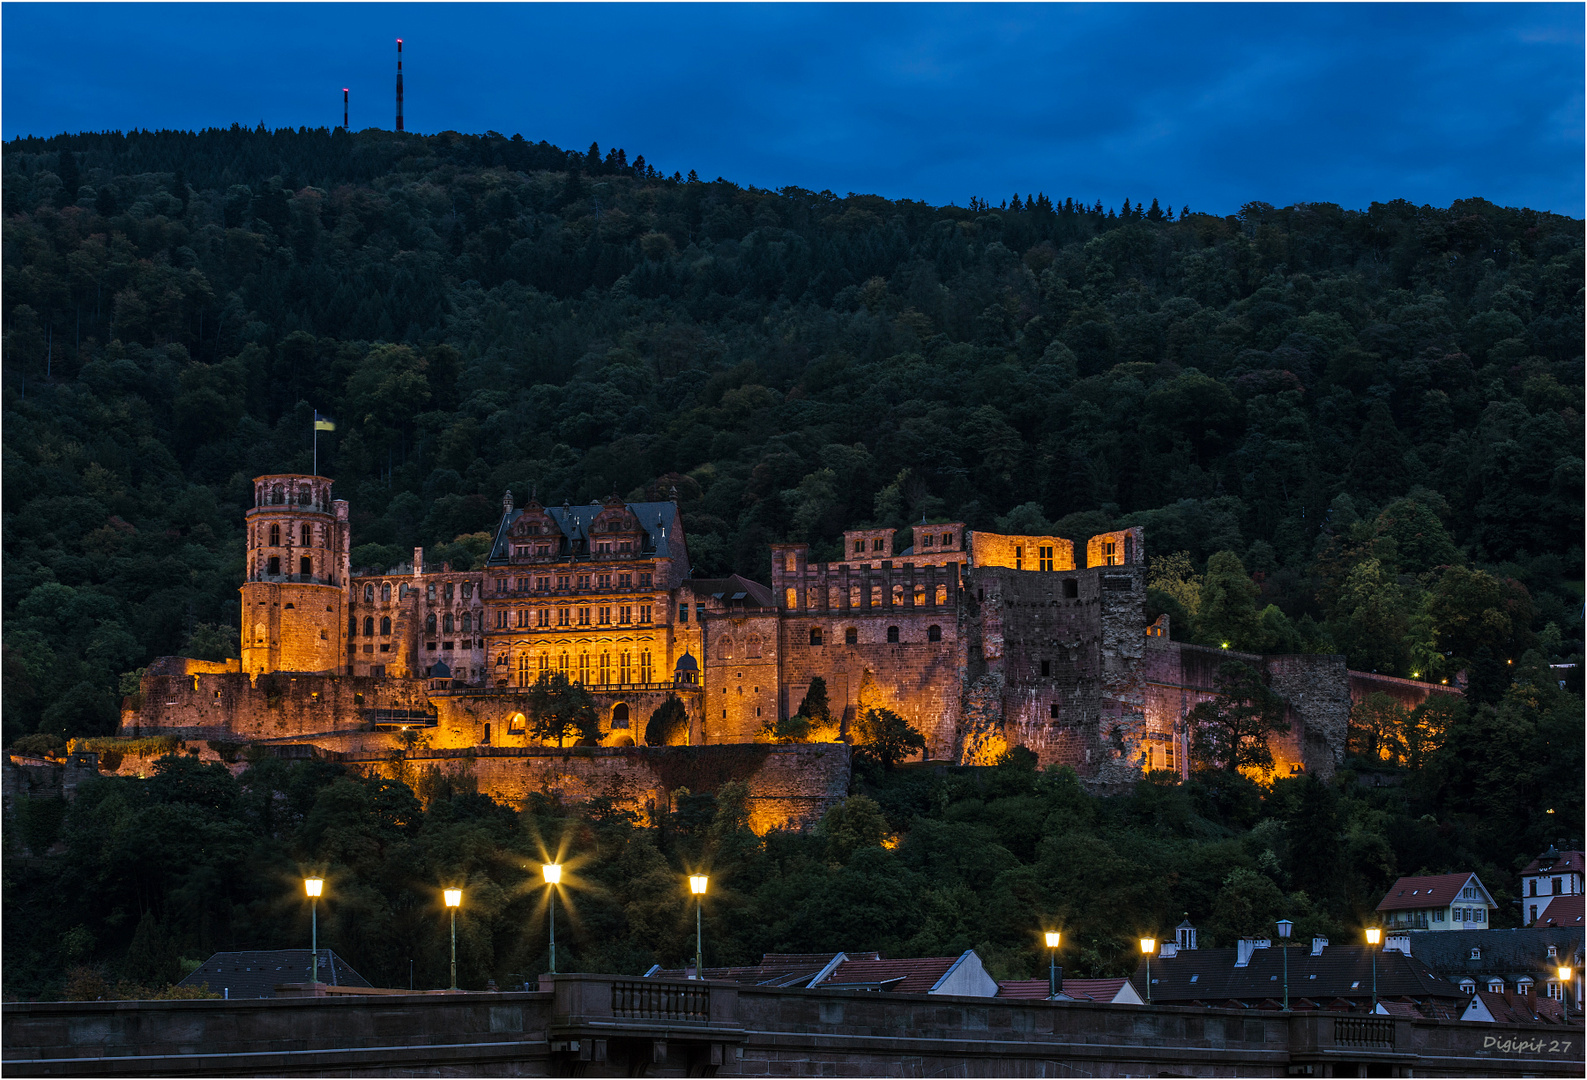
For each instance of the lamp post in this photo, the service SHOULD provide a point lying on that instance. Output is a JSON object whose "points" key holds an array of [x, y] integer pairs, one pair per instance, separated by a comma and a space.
{"points": [[313, 886], [1374, 935], [697, 884], [1564, 987], [1052, 964], [1284, 927], [1147, 945], [553, 874], [454, 898]]}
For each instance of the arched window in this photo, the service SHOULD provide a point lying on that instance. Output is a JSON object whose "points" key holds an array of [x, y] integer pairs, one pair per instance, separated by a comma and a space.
{"points": [[369, 594], [303, 495], [851, 636], [385, 625], [517, 723], [385, 592], [752, 647], [933, 633], [619, 717], [306, 536], [278, 495], [892, 635], [468, 622], [369, 626], [446, 623], [815, 635], [429, 623], [724, 648]]}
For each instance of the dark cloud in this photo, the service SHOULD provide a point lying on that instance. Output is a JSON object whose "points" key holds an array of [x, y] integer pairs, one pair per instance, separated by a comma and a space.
{"points": [[1214, 105]]}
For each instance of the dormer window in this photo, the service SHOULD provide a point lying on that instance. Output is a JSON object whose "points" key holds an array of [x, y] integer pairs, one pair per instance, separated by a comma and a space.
{"points": [[1496, 986], [1476, 954], [1553, 952]]}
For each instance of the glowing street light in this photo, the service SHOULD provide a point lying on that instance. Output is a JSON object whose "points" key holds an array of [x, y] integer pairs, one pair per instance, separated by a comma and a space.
{"points": [[1284, 927], [552, 872], [697, 884], [1052, 965], [1564, 986], [454, 900], [313, 886], [1147, 945], [1374, 935]]}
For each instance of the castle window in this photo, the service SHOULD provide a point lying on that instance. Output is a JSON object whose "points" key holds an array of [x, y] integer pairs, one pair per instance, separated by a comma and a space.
{"points": [[876, 545], [275, 536], [584, 616], [429, 593], [1019, 558], [385, 591], [584, 668], [604, 580], [542, 549], [752, 647], [1110, 555], [449, 590], [645, 580], [544, 617], [851, 636], [920, 596], [724, 649], [403, 591], [429, 623], [1054, 708], [815, 635], [892, 635], [933, 633], [1071, 588], [468, 622], [644, 613], [603, 548], [942, 595], [501, 619], [947, 539], [683, 613], [305, 566], [859, 547], [898, 596], [791, 599], [303, 495], [1046, 668], [306, 536], [468, 589], [854, 596], [501, 584], [564, 581], [541, 584], [446, 623], [606, 668], [289, 607], [562, 664], [385, 625], [562, 616], [625, 614], [369, 594], [1044, 556], [606, 616], [584, 582], [619, 717], [926, 540], [791, 563], [644, 665], [624, 670], [625, 581], [369, 626], [278, 495]]}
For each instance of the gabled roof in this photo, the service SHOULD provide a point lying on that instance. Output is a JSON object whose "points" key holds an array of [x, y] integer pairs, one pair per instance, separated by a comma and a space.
{"points": [[1562, 911], [659, 520], [256, 973], [734, 589], [1569, 862], [1440, 890], [1508, 953], [774, 969], [917, 976], [1340, 971], [1486, 1006], [1103, 991]]}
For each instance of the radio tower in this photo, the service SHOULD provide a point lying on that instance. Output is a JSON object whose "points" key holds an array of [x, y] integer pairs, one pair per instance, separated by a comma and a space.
{"points": [[344, 108], [399, 84]]}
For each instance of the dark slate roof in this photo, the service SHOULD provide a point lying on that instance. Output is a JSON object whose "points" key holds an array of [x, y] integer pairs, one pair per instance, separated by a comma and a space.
{"points": [[1341, 971], [734, 589], [687, 662], [1563, 911], [1440, 890], [1567, 862], [774, 969], [257, 973], [1507, 953], [658, 519]]}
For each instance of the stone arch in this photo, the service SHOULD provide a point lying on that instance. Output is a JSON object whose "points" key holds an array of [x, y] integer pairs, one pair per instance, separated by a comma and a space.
{"points": [[518, 724], [892, 635], [934, 632], [620, 720]]}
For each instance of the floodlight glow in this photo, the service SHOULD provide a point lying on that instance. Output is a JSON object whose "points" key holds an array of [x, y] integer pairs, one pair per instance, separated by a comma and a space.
{"points": [[552, 872]]}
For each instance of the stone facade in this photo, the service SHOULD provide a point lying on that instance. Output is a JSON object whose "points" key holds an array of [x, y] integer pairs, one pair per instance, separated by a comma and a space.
{"points": [[980, 641]]}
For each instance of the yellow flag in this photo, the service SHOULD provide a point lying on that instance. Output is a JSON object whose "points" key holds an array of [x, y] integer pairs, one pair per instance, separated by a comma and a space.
{"points": [[322, 424]]}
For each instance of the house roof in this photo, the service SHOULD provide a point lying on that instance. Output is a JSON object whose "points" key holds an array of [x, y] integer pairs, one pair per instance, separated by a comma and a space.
{"points": [[774, 969], [914, 976], [256, 973], [1339, 971], [1440, 890], [1099, 990], [1510, 1008], [734, 589], [659, 520], [1506, 953], [1563, 911], [1568, 861]]}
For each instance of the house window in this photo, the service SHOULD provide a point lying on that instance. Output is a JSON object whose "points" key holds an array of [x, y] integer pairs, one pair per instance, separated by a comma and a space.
{"points": [[1496, 986], [892, 635], [933, 633], [851, 636], [1044, 556], [815, 635], [1467, 986], [1476, 954], [947, 539]]}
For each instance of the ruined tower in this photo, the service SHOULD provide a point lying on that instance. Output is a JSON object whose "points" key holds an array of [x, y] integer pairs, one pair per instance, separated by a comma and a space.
{"points": [[294, 596]]}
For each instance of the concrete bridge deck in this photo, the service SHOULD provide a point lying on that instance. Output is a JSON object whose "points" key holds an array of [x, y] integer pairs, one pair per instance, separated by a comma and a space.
{"points": [[602, 1025]]}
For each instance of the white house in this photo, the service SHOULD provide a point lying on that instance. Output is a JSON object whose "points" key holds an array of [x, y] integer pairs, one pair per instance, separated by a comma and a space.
{"points": [[1440, 902], [1552, 874]]}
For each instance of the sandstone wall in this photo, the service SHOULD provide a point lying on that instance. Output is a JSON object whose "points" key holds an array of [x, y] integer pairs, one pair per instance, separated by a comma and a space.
{"points": [[1020, 552]]}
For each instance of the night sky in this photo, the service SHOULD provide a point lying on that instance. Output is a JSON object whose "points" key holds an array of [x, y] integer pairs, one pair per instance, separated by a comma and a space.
{"points": [[1210, 105]]}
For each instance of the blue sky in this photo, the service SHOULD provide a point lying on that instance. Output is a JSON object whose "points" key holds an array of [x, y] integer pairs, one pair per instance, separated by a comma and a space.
{"points": [[1210, 105]]}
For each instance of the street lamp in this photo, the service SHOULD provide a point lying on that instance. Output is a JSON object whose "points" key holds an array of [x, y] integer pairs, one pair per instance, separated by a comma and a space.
{"points": [[697, 884], [1052, 966], [454, 899], [313, 886], [1564, 987], [553, 874], [1374, 935], [1147, 945], [1284, 927]]}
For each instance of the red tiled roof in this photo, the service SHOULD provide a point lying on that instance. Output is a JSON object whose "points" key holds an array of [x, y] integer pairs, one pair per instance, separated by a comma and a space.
{"points": [[1401, 1008], [1568, 861], [1103, 990], [1531, 1009], [1563, 911], [1424, 892], [916, 976]]}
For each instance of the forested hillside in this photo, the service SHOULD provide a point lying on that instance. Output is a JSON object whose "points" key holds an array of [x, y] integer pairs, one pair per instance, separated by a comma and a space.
{"points": [[1344, 431]]}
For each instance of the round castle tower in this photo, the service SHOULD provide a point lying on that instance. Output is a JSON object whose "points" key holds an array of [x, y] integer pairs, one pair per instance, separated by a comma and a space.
{"points": [[294, 597]]}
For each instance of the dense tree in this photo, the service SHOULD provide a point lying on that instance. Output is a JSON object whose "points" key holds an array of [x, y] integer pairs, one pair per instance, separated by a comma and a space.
{"points": [[560, 708], [886, 737], [1231, 732]]}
